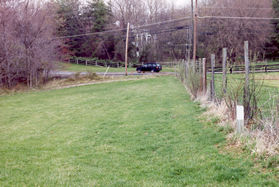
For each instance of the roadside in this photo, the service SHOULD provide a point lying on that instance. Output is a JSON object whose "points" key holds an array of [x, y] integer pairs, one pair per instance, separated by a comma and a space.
{"points": [[75, 80], [68, 84], [67, 74], [83, 68]]}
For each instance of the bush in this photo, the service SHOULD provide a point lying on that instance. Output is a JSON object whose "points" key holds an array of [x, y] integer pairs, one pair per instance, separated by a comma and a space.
{"points": [[191, 77]]}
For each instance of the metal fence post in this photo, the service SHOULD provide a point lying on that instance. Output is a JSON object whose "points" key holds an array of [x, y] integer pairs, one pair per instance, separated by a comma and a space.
{"points": [[246, 98], [212, 83]]}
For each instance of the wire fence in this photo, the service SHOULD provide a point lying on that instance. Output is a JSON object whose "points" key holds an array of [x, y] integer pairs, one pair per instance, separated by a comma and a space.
{"points": [[258, 95]]}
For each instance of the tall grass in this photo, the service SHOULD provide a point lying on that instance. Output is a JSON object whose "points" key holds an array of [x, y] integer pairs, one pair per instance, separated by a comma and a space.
{"points": [[190, 76], [263, 123]]}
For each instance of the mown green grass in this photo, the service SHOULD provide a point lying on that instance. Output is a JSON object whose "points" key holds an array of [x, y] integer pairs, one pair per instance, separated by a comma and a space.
{"points": [[267, 63], [136, 133], [83, 68]]}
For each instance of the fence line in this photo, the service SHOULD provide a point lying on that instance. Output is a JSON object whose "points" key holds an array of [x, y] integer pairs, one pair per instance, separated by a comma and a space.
{"points": [[245, 91]]}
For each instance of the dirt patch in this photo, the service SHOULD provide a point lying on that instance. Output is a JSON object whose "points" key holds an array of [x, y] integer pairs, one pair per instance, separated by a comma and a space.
{"points": [[65, 84], [71, 83]]}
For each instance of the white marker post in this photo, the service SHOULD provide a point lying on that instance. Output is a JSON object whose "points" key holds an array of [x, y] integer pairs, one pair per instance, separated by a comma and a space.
{"points": [[106, 72], [240, 118]]}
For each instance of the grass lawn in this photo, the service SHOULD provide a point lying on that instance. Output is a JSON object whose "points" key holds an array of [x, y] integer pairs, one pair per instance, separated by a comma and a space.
{"points": [[135, 133], [83, 68], [267, 63]]}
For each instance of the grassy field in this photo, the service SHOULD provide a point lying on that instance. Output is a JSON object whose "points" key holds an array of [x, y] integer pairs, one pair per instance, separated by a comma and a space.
{"points": [[83, 68], [135, 133]]}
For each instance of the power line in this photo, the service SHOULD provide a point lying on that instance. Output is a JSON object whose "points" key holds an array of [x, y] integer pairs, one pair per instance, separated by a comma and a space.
{"points": [[118, 30], [90, 34], [163, 22], [233, 8], [236, 28], [242, 33], [241, 18], [169, 30]]}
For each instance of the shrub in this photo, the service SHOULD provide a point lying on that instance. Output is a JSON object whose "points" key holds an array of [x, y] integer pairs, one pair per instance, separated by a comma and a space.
{"points": [[188, 74]]}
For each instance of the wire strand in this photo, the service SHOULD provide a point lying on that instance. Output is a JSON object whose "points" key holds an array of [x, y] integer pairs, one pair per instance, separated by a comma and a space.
{"points": [[254, 8], [118, 30], [243, 18]]}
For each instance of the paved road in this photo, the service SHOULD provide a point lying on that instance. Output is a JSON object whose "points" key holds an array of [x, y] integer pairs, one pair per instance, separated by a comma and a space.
{"points": [[66, 74]]}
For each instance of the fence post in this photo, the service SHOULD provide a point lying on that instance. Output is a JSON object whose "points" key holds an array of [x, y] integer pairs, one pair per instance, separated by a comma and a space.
{"points": [[187, 69], [212, 83], [225, 70], [86, 62], [204, 77], [277, 114], [200, 75], [200, 65], [246, 98], [194, 66]]}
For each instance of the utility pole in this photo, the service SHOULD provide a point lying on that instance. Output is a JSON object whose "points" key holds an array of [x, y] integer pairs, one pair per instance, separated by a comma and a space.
{"points": [[192, 23], [195, 19], [126, 51]]}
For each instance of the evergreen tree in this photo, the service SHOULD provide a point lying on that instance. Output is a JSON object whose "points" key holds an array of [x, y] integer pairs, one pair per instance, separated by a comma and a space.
{"points": [[74, 20], [98, 15], [69, 24]]}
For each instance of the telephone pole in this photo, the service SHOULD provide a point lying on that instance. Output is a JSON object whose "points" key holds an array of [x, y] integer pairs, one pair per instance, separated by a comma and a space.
{"points": [[192, 22], [195, 19]]}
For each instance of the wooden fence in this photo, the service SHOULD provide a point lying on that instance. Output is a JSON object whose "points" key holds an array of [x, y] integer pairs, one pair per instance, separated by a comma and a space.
{"points": [[247, 68], [241, 69], [104, 63]]}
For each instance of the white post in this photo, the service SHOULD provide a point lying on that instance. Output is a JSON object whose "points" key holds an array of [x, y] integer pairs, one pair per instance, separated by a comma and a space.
{"points": [[106, 72], [126, 51], [240, 118]]}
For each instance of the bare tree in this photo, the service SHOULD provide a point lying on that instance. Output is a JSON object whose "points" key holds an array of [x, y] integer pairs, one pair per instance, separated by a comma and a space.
{"points": [[28, 46], [231, 33], [8, 43], [133, 11]]}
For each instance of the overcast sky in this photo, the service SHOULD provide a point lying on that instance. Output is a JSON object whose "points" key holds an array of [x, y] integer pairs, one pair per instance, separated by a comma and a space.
{"points": [[180, 2]]}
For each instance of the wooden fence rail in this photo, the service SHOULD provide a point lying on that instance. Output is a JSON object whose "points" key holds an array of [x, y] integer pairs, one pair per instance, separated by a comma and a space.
{"points": [[260, 68]]}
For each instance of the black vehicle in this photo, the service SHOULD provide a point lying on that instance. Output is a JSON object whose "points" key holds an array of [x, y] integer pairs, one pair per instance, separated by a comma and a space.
{"points": [[153, 67]]}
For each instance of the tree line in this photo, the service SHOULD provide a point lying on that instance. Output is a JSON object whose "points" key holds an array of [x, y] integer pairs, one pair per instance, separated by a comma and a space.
{"points": [[77, 18], [35, 34], [27, 48]]}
